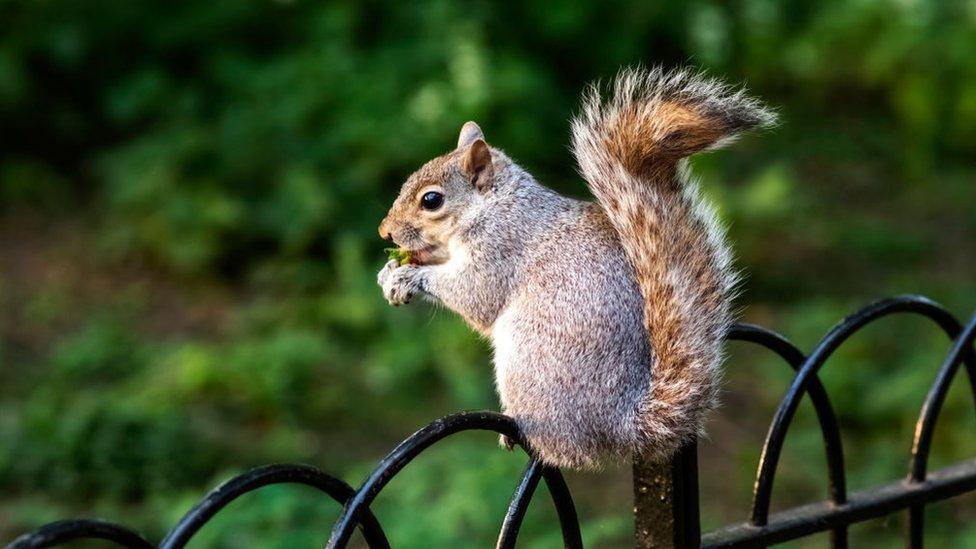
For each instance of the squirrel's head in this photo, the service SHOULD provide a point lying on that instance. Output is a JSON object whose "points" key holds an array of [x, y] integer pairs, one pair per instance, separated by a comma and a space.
{"points": [[441, 198]]}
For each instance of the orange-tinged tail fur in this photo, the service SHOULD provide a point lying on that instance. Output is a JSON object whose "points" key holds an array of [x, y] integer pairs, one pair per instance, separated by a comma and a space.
{"points": [[630, 149]]}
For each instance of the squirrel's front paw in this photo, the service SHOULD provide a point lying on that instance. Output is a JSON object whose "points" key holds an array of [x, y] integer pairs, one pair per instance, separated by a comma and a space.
{"points": [[399, 282]]}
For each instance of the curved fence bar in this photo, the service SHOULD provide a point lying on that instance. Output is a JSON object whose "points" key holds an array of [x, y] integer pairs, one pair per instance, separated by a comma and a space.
{"points": [[439, 429], [403, 454], [962, 352], [69, 530], [818, 396], [826, 417], [520, 503], [565, 510], [838, 334], [234, 488]]}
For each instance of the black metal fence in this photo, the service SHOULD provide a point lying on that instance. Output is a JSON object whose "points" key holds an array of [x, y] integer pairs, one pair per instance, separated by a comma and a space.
{"points": [[665, 495]]}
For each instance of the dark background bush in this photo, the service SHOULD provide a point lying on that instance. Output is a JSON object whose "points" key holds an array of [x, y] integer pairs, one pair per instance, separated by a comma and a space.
{"points": [[188, 199]]}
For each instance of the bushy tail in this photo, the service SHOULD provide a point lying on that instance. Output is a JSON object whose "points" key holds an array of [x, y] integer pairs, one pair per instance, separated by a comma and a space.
{"points": [[629, 148]]}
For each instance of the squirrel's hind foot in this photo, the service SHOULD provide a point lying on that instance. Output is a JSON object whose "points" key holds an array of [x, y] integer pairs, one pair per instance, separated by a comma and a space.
{"points": [[505, 442]]}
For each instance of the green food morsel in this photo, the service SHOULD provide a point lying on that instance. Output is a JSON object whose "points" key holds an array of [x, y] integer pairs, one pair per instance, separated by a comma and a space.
{"points": [[399, 255]]}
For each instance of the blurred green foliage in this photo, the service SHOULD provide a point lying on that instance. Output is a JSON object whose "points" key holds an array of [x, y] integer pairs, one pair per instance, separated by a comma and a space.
{"points": [[188, 199]]}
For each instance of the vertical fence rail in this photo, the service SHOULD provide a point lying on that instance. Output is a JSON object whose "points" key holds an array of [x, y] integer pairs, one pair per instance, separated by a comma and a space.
{"points": [[666, 502]]}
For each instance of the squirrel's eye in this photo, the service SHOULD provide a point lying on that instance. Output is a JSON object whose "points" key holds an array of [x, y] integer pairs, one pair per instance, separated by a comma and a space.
{"points": [[431, 200]]}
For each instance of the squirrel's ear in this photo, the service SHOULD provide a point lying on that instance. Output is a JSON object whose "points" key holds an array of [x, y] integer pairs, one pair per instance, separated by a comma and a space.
{"points": [[476, 163], [469, 132]]}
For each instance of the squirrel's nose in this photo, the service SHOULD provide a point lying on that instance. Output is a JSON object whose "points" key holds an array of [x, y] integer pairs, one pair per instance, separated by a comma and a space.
{"points": [[385, 232]]}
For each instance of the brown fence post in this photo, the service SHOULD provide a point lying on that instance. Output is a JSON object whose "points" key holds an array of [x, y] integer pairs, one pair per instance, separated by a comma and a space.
{"points": [[666, 502]]}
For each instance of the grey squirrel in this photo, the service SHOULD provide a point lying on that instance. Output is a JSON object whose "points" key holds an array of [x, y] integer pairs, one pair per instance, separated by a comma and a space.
{"points": [[606, 318]]}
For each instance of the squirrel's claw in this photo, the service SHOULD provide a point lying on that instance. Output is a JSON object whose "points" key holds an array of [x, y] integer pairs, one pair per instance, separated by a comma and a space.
{"points": [[505, 442]]}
